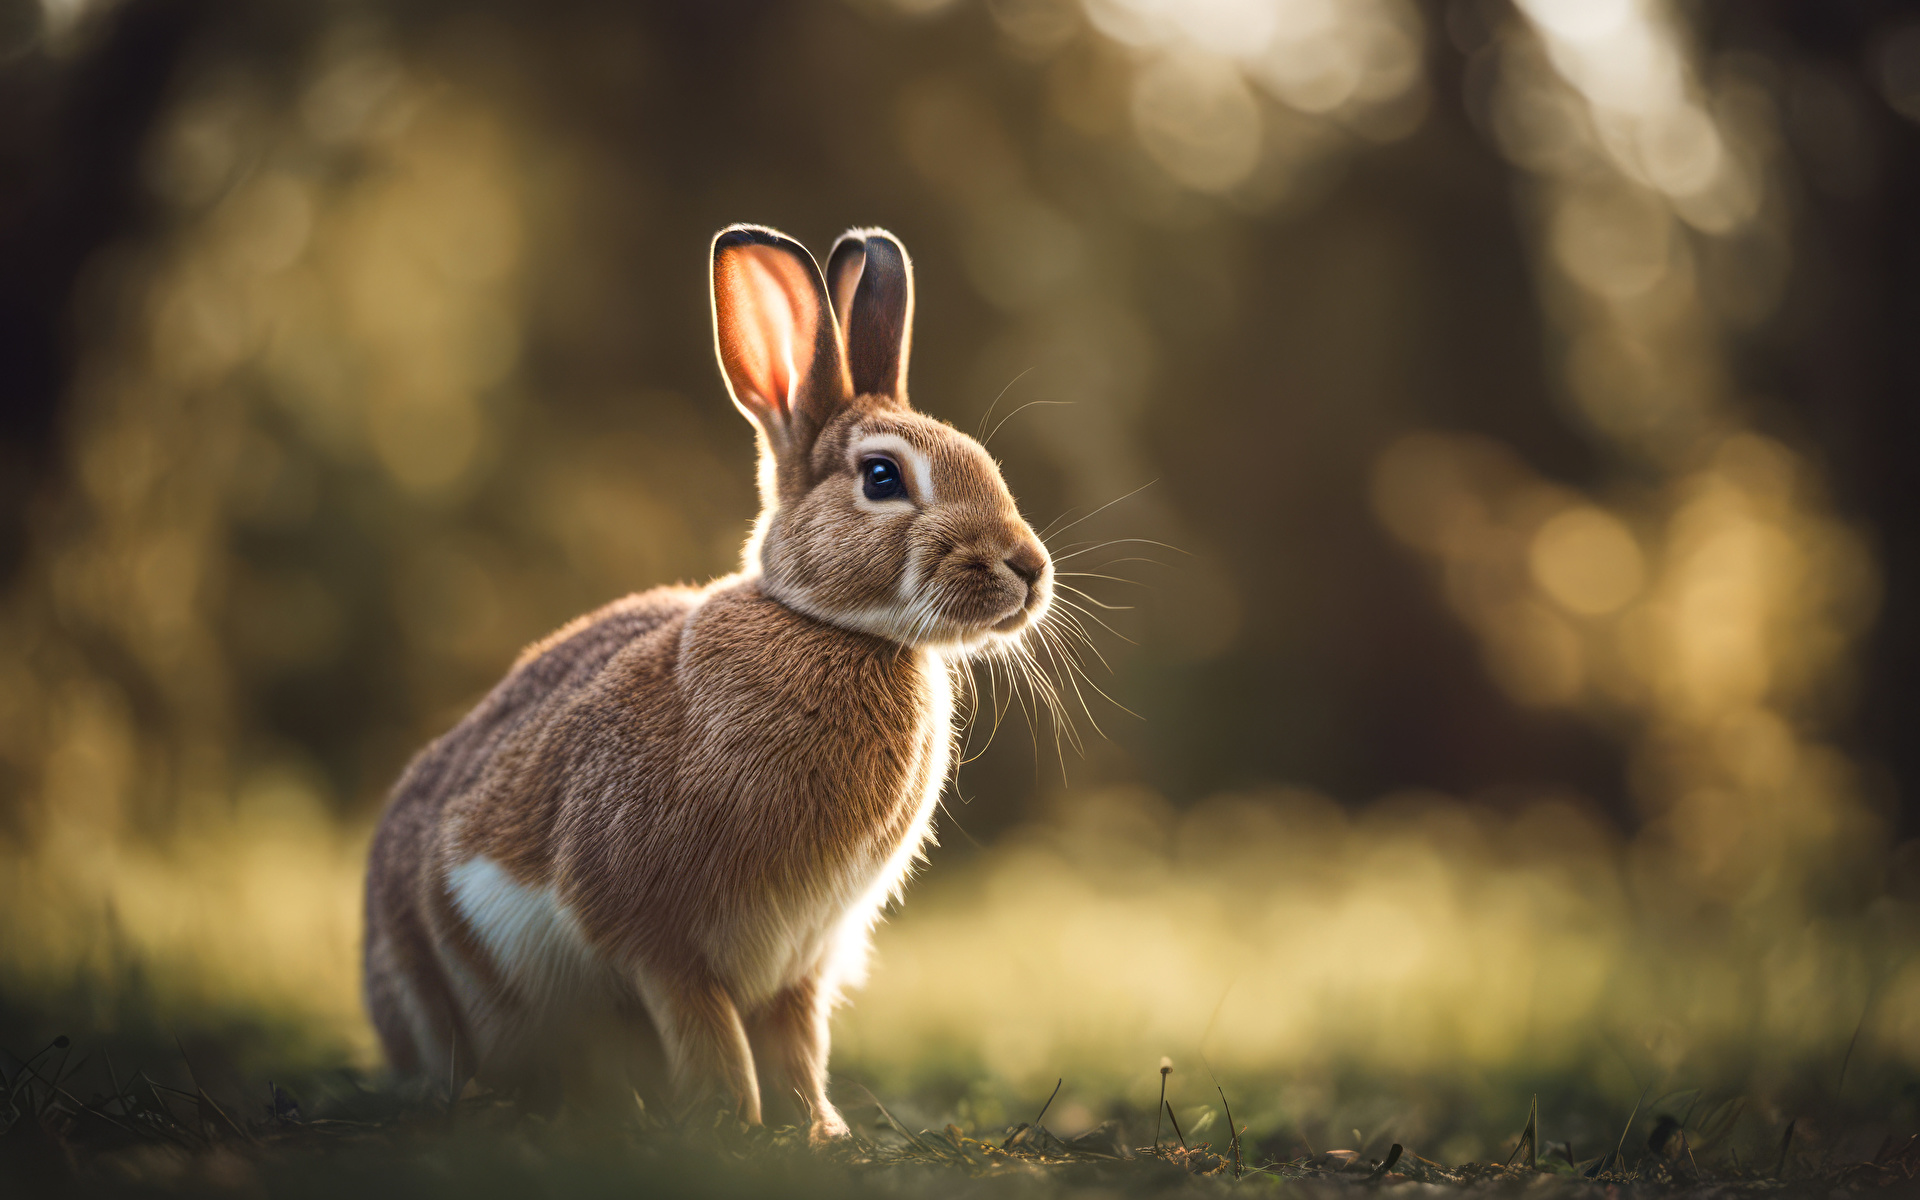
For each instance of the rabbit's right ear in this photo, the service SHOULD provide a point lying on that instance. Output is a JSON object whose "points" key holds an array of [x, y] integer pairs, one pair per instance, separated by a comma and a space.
{"points": [[871, 280], [774, 332]]}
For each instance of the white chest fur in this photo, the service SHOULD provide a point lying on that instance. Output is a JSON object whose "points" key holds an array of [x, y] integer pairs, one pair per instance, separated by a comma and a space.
{"points": [[849, 953], [823, 928]]}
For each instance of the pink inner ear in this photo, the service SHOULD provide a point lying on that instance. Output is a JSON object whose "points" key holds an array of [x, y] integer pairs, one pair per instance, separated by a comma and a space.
{"points": [[767, 317], [845, 283]]}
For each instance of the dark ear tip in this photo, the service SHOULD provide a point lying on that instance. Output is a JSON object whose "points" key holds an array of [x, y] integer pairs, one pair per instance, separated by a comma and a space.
{"points": [[753, 235], [873, 233]]}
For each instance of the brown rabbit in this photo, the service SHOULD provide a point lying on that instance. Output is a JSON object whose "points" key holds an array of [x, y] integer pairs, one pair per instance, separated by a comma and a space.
{"points": [[663, 838]]}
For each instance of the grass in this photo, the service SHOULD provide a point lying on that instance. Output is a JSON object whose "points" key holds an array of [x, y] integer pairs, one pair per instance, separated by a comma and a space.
{"points": [[131, 1114]]}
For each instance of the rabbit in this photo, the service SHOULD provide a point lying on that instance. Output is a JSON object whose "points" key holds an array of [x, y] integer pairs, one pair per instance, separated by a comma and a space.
{"points": [[651, 858]]}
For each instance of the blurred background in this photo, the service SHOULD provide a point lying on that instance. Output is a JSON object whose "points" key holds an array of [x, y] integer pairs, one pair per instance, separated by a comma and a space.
{"points": [[1486, 427]]}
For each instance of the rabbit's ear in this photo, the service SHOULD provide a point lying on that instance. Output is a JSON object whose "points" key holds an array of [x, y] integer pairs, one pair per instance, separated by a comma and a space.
{"points": [[775, 334], [843, 272], [871, 280]]}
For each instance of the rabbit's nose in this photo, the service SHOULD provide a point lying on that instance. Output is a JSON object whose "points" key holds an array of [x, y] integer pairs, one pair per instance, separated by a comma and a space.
{"points": [[1027, 562]]}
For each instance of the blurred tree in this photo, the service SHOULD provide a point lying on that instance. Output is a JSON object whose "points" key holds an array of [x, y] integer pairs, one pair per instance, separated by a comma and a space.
{"points": [[1248, 321]]}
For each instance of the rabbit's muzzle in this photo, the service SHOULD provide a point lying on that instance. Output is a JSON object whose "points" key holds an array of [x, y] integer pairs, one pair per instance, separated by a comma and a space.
{"points": [[998, 584]]}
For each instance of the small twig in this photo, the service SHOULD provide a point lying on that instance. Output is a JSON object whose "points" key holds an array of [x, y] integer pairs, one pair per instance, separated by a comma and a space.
{"points": [[1530, 1138], [178, 1132], [1233, 1143], [88, 1109], [1628, 1127], [66, 1055], [183, 1093], [222, 1114], [1166, 1069], [58, 1043], [27, 1071], [1176, 1127], [1786, 1144], [1393, 1156], [115, 1081], [1049, 1103], [1847, 1058], [206, 1130], [1607, 1163], [201, 1098], [899, 1128]]}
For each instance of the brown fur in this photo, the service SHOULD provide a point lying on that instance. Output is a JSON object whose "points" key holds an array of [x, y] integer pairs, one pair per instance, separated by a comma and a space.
{"points": [[663, 837]]}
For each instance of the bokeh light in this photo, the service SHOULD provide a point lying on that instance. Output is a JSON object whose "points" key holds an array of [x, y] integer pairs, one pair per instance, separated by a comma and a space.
{"points": [[404, 367]]}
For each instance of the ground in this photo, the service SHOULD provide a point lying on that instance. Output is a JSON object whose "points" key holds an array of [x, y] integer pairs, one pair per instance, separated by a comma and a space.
{"points": [[76, 1122]]}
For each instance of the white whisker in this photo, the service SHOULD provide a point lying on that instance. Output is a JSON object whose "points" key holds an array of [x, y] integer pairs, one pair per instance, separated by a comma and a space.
{"points": [[1109, 504], [1095, 617], [988, 440], [1061, 657], [1097, 575], [1090, 547], [1090, 600], [1069, 625], [1003, 394]]}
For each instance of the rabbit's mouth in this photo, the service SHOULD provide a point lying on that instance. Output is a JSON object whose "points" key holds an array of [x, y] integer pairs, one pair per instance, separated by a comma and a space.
{"points": [[990, 600], [1029, 613]]}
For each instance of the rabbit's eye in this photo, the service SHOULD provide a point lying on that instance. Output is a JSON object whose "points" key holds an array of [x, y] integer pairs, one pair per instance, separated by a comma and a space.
{"points": [[880, 479]]}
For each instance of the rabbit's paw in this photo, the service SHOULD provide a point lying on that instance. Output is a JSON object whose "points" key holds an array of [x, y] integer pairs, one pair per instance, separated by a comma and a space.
{"points": [[828, 1126]]}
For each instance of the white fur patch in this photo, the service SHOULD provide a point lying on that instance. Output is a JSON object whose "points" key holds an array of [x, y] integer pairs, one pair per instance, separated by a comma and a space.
{"points": [[536, 944], [852, 939], [911, 578]]}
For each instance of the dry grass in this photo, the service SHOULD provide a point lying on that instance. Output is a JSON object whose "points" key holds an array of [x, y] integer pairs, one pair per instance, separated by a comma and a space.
{"points": [[73, 1122]]}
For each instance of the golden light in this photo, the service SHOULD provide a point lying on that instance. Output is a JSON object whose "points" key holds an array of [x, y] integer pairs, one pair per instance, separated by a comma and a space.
{"points": [[1587, 561], [332, 330]]}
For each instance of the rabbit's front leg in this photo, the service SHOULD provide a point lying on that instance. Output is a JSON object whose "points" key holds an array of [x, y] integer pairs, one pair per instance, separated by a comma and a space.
{"points": [[704, 1041], [790, 1039]]}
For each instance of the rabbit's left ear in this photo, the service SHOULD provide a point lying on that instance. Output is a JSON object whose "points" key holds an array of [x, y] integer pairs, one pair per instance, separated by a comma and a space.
{"points": [[775, 335], [870, 279]]}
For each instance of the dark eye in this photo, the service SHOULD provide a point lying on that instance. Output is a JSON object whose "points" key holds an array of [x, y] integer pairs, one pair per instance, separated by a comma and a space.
{"points": [[880, 479]]}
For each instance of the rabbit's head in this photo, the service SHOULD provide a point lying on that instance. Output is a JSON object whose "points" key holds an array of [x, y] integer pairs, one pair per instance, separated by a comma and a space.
{"points": [[874, 517]]}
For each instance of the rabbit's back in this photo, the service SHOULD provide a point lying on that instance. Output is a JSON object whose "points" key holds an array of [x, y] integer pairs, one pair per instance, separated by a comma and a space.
{"points": [[547, 675]]}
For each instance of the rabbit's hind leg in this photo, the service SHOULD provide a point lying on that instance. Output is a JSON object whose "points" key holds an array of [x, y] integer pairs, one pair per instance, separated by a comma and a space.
{"points": [[411, 1005], [391, 1004], [790, 1040], [704, 1040]]}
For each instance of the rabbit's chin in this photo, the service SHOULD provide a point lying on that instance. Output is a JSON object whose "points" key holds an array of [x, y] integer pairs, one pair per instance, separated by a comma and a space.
{"points": [[963, 640], [946, 635], [954, 629]]}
